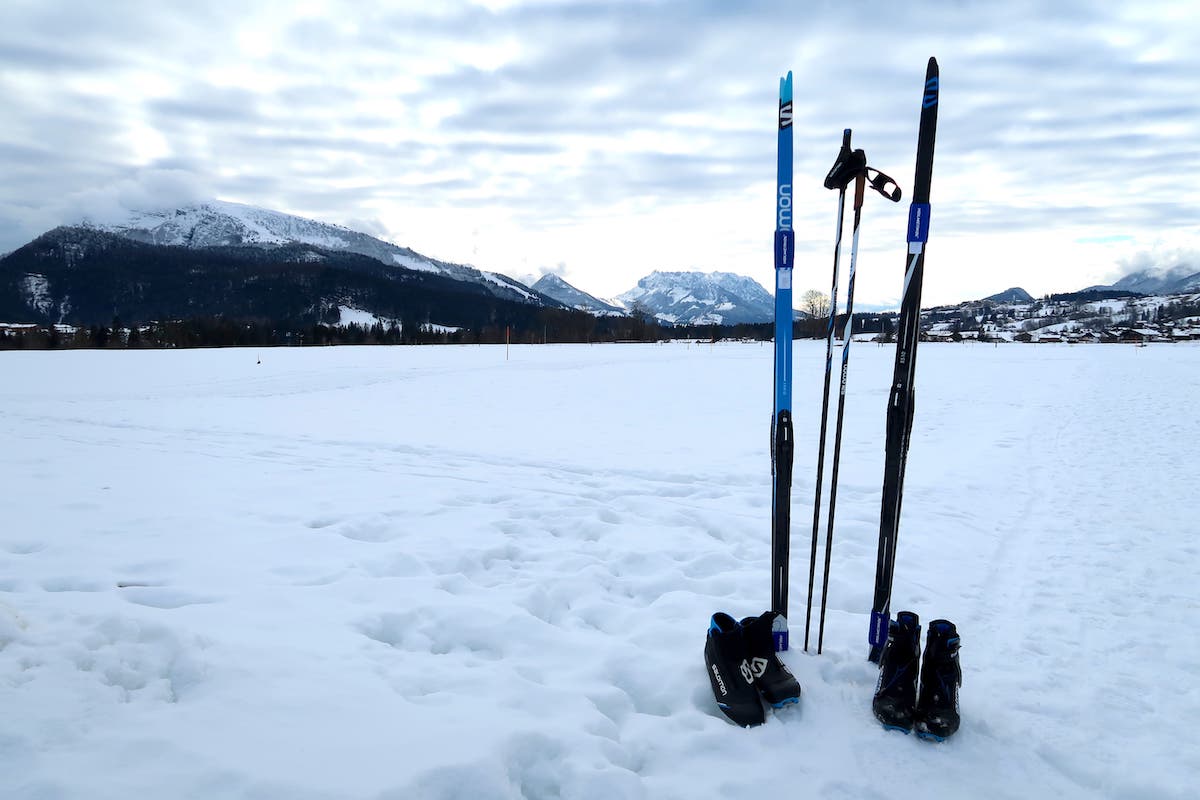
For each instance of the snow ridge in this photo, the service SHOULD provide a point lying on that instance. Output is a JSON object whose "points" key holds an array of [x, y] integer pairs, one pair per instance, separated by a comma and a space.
{"points": [[558, 289], [219, 223]]}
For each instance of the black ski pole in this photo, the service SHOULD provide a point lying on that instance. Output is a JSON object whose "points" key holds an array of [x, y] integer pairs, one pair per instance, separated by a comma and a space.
{"points": [[839, 178], [886, 187]]}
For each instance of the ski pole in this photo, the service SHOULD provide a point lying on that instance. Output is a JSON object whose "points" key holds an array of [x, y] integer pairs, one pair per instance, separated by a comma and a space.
{"points": [[848, 163], [886, 187]]}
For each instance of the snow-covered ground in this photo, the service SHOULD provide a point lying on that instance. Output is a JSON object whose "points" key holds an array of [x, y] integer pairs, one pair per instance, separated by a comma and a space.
{"points": [[429, 572]]}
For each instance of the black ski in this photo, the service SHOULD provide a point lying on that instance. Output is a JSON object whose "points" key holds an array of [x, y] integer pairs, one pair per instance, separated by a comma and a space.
{"points": [[900, 398]]}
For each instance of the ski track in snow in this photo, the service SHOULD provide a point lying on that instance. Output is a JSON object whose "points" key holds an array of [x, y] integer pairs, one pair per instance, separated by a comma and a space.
{"points": [[430, 572]]}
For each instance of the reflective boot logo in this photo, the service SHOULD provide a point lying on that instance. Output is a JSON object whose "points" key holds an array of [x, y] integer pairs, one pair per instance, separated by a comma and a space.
{"points": [[720, 683]]}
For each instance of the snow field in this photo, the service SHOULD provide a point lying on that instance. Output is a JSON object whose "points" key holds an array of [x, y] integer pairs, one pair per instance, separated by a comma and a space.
{"points": [[432, 572]]}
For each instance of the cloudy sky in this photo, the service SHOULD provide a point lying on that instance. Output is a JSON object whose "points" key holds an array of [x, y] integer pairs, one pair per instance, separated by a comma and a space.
{"points": [[604, 140]]}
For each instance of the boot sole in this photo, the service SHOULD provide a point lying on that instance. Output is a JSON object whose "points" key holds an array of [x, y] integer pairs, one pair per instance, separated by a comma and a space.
{"points": [[791, 701]]}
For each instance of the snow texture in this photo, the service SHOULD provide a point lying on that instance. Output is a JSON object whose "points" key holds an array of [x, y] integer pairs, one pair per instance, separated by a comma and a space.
{"points": [[431, 572]]}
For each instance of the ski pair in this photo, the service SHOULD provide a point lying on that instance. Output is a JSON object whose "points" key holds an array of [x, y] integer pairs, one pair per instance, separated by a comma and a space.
{"points": [[851, 165], [744, 669], [900, 401]]}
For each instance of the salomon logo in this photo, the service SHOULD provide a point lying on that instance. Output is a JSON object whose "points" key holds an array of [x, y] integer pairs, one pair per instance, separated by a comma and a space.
{"points": [[918, 222], [931, 93], [747, 672], [758, 666], [784, 219], [720, 683], [785, 115]]}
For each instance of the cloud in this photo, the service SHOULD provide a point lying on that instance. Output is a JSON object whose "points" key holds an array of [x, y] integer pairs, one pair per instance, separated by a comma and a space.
{"points": [[144, 190], [620, 137], [1161, 260]]}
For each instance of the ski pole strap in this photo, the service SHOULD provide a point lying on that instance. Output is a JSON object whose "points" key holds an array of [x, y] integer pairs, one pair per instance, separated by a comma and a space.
{"points": [[884, 185]]}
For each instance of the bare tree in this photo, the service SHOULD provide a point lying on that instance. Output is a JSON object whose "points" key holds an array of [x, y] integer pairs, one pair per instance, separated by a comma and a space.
{"points": [[815, 303]]}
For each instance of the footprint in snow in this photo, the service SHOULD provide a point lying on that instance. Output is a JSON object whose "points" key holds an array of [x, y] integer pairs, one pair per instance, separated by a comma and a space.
{"points": [[162, 597]]}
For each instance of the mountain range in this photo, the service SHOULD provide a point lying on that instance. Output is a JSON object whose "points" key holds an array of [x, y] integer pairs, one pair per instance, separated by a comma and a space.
{"points": [[697, 298], [224, 224], [226, 259]]}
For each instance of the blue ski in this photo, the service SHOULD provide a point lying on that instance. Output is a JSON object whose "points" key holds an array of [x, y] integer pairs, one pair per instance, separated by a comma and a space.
{"points": [[782, 445]]}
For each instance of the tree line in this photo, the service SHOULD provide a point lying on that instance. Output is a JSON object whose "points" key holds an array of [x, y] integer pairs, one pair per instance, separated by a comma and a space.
{"points": [[549, 326]]}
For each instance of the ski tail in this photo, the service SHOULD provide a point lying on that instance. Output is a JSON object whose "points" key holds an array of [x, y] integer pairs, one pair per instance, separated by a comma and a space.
{"points": [[782, 445], [902, 395]]}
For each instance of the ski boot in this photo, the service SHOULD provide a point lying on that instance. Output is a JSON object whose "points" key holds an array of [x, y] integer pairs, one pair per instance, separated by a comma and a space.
{"points": [[941, 675], [896, 692], [771, 676], [730, 673]]}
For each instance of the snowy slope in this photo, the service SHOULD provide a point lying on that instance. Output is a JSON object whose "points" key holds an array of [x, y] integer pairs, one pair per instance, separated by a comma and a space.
{"points": [[555, 287], [219, 223], [701, 298], [328, 576]]}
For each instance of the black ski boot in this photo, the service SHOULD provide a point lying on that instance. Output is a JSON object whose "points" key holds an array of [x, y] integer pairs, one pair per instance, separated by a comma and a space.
{"points": [[771, 676], [730, 673], [941, 675], [896, 693]]}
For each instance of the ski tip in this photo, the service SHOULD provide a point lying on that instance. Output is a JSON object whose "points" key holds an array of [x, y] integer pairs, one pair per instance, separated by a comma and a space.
{"points": [[932, 67], [785, 87]]}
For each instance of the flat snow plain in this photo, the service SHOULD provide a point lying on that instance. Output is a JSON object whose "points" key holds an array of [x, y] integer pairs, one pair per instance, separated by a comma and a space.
{"points": [[431, 572]]}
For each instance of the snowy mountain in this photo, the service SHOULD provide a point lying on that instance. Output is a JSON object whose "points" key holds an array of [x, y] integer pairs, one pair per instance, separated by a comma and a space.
{"points": [[87, 276], [222, 224], [701, 298], [1180, 279], [556, 288]]}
